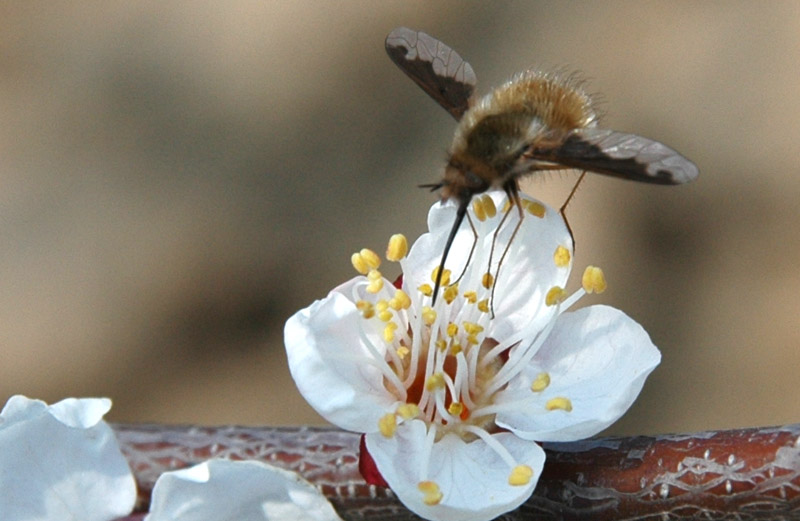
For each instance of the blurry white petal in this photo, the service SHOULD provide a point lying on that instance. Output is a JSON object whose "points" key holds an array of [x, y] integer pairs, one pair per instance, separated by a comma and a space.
{"points": [[61, 463], [224, 490]]}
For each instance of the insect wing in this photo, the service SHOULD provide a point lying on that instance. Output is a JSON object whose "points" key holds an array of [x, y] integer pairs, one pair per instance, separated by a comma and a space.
{"points": [[434, 66], [618, 154]]}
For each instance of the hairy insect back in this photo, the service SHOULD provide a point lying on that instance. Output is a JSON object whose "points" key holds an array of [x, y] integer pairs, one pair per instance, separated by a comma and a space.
{"points": [[530, 107]]}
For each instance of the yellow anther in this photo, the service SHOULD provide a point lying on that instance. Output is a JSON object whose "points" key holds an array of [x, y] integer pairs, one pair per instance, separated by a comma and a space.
{"points": [[434, 382], [426, 290], [483, 305], [561, 257], [555, 296], [431, 493], [559, 403], [359, 263], [487, 280], [471, 296], [472, 340], [452, 329], [450, 293], [382, 305], [445, 276], [428, 315], [520, 475], [398, 247], [441, 344], [385, 316], [370, 257], [541, 382], [408, 411], [366, 308], [375, 281], [478, 210], [456, 408], [388, 332], [593, 280], [387, 425], [488, 205], [534, 208], [402, 352], [472, 328], [401, 300], [507, 206], [455, 348]]}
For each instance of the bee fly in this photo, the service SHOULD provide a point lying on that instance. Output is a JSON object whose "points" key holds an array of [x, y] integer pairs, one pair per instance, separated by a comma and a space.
{"points": [[534, 122]]}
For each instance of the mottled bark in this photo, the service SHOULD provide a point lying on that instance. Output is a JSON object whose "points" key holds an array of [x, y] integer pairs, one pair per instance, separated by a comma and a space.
{"points": [[736, 474]]}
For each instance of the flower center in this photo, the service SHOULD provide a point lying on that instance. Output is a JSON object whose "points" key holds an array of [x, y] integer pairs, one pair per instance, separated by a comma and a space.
{"points": [[439, 358]]}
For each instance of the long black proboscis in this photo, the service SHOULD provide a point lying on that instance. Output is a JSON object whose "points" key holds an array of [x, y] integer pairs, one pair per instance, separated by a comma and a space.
{"points": [[460, 213]]}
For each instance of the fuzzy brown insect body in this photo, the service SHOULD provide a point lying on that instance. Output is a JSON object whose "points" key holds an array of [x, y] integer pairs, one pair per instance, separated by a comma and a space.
{"points": [[535, 122], [533, 110]]}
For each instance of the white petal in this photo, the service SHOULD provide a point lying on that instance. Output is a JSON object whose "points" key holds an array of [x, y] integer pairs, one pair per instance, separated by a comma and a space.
{"points": [[526, 275], [81, 413], [426, 252], [528, 272], [330, 363], [61, 463], [598, 358], [472, 477], [223, 490]]}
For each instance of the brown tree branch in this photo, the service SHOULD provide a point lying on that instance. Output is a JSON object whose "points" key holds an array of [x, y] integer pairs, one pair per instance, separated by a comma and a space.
{"points": [[735, 474]]}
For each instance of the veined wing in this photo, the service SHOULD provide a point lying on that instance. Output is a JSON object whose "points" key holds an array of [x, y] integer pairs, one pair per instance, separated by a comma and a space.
{"points": [[627, 156], [434, 66]]}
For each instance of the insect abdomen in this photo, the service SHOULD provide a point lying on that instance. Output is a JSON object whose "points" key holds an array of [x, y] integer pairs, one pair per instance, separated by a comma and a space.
{"points": [[559, 103]]}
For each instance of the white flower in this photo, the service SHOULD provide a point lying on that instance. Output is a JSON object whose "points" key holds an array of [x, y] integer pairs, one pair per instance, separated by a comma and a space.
{"points": [[223, 490], [451, 395], [61, 462]]}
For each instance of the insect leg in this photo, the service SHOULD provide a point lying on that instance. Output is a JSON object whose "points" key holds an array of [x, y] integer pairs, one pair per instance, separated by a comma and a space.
{"points": [[472, 250], [563, 209], [496, 233], [512, 190]]}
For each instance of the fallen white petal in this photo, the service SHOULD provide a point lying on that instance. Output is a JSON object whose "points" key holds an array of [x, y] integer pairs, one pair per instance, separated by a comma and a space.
{"points": [[61, 463], [224, 490]]}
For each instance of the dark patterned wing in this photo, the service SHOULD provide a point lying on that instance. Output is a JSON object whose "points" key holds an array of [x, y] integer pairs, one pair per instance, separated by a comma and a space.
{"points": [[434, 66], [617, 154]]}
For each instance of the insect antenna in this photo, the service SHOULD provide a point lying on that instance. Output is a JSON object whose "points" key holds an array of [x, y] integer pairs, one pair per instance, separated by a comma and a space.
{"points": [[432, 186], [460, 213]]}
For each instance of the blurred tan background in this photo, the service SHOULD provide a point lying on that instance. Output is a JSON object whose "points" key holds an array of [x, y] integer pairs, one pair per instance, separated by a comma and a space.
{"points": [[177, 178]]}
